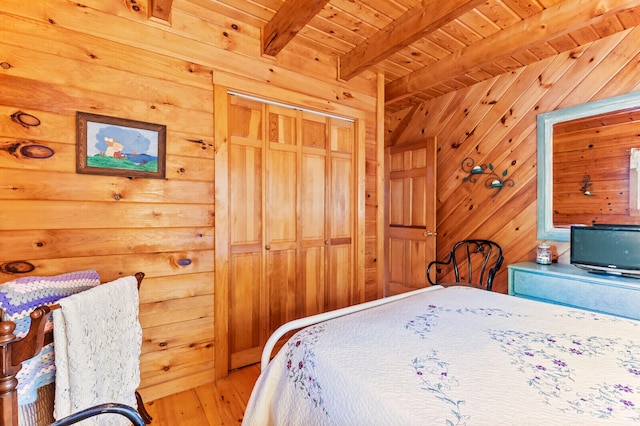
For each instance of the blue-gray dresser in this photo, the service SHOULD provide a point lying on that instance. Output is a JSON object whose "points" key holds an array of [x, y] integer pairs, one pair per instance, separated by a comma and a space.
{"points": [[568, 285]]}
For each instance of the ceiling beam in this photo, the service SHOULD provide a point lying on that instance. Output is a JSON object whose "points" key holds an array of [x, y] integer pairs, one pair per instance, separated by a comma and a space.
{"points": [[292, 16], [557, 20], [161, 9], [411, 26]]}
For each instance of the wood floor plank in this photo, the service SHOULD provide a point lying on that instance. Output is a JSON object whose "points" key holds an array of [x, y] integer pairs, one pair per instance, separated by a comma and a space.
{"points": [[243, 381], [228, 403], [184, 408], [206, 394], [213, 404]]}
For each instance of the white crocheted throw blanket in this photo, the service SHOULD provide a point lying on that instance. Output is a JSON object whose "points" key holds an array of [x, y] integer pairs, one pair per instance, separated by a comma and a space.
{"points": [[98, 339]]}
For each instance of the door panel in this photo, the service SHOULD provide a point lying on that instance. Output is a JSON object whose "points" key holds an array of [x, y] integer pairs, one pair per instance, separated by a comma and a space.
{"points": [[416, 255], [246, 197], [418, 202], [314, 131], [396, 202], [313, 194], [283, 288], [245, 328], [282, 197], [245, 119], [340, 283], [282, 125], [313, 279], [397, 259], [410, 233], [342, 136], [341, 214]]}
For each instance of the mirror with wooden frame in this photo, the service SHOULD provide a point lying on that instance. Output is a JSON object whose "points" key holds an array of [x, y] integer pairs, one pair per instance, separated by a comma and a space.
{"points": [[588, 165]]}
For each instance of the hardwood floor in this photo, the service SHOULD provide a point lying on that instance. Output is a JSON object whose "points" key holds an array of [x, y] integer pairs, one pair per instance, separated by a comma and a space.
{"points": [[220, 403]]}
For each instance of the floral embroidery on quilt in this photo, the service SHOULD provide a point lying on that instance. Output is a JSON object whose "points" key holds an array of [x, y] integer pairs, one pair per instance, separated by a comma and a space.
{"points": [[435, 378], [300, 358], [432, 371], [608, 401], [630, 359], [423, 324], [586, 315], [488, 312], [546, 360]]}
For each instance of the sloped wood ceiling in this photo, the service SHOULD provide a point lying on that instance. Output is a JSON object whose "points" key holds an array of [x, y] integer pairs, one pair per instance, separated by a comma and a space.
{"points": [[431, 47]]}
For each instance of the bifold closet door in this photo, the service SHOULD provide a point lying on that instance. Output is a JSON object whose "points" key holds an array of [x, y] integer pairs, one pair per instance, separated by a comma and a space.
{"points": [[342, 287], [282, 232], [247, 293], [292, 220]]}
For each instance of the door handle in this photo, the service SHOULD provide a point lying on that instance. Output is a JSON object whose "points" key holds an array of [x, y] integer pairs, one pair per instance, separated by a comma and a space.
{"points": [[429, 234]]}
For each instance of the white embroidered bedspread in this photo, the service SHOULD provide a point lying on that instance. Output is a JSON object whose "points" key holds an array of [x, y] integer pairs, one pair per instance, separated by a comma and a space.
{"points": [[98, 340], [456, 356]]}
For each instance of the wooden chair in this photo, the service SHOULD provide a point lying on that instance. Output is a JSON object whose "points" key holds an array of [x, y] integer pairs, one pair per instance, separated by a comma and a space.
{"points": [[474, 262]]}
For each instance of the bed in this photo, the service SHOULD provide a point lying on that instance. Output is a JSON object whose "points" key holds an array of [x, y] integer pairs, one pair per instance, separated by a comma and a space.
{"points": [[454, 356]]}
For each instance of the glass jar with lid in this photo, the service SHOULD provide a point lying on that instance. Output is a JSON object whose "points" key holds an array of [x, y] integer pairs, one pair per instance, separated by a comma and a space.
{"points": [[543, 254]]}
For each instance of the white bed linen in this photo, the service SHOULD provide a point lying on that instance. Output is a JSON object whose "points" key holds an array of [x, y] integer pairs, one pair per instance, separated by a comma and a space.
{"points": [[456, 356]]}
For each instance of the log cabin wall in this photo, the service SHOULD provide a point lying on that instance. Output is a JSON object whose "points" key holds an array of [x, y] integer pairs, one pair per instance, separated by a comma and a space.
{"points": [[109, 58], [592, 171], [494, 123]]}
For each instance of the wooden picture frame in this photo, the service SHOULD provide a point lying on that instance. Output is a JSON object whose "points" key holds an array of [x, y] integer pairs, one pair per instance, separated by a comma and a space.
{"points": [[119, 147]]}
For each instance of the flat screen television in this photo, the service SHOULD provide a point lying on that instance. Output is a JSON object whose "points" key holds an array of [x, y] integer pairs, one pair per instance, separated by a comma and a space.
{"points": [[607, 249]]}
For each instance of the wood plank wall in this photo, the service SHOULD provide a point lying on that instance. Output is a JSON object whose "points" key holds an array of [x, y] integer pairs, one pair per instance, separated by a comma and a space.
{"points": [[591, 168], [494, 122], [108, 58]]}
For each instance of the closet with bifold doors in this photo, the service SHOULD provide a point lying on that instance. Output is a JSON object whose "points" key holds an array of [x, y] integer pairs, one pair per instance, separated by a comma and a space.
{"points": [[292, 220]]}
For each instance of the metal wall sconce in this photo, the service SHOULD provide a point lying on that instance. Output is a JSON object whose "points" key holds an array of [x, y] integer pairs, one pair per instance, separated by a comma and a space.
{"points": [[492, 181], [586, 183]]}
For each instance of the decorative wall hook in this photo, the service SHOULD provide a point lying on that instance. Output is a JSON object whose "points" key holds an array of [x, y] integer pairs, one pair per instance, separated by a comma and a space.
{"points": [[492, 181], [586, 183]]}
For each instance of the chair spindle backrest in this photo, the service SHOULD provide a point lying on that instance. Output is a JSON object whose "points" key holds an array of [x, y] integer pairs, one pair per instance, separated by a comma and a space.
{"points": [[474, 261]]}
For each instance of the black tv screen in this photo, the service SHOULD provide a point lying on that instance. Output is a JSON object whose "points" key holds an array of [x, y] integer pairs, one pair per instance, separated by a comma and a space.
{"points": [[606, 248]]}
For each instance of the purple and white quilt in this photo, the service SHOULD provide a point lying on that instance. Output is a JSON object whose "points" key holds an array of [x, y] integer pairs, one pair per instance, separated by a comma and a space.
{"points": [[455, 356]]}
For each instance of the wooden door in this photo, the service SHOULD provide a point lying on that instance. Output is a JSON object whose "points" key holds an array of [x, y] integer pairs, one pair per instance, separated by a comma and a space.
{"points": [[292, 221], [282, 206], [342, 289], [247, 294], [314, 199], [411, 210]]}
